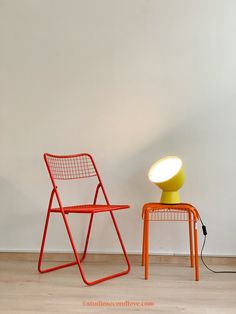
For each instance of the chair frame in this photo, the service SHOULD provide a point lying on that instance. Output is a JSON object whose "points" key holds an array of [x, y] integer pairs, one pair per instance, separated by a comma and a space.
{"points": [[88, 209], [171, 212]]}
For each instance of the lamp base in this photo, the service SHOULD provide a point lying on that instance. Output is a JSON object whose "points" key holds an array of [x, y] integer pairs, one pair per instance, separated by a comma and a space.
{"points": [[170, 197]]}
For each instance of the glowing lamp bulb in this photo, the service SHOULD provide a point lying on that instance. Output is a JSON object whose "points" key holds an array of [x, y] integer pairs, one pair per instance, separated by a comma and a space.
{"points": [[168, 174]]}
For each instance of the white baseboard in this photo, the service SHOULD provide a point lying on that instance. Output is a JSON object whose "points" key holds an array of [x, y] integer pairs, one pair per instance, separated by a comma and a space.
{"points": [[212, 254]]}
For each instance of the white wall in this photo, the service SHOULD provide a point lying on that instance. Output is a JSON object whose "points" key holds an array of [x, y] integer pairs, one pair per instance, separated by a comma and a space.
{"points": [[129, 81]]}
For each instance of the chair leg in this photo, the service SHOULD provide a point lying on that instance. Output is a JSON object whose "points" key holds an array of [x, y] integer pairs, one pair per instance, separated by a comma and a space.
{"points": [[196, 251], [87, 238], [43, 242], [190, 239], [42, 271], [90, 283], [121, 243], [146, 217]]}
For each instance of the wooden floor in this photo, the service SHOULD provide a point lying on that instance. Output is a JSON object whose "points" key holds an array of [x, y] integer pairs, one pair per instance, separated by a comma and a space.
{"points": [[170, 289]]}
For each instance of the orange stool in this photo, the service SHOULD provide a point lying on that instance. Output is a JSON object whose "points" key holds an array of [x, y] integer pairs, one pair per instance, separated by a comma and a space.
{"points": [[171, 212]]}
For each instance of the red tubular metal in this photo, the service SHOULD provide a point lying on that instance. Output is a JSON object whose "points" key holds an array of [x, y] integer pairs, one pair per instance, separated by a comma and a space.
{"points": [[121, 243], [96, 194], [45, 231], [190, 239], [146, 246], [57, 267], [77, 167], [87, 238], [143, 246], [196, 250]]}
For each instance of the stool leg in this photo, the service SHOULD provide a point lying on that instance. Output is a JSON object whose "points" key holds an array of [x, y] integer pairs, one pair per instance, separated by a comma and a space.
{"points": [[190, 239], [143, 247], [146, 217], [196, 251]]}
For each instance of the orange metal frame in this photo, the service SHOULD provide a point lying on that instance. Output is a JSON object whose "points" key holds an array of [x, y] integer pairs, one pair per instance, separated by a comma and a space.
{"points": [[171, 212], [72, 167]]}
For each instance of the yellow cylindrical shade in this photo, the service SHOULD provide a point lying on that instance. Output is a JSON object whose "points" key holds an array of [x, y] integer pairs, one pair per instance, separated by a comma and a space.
{"points": [[168, 174]]}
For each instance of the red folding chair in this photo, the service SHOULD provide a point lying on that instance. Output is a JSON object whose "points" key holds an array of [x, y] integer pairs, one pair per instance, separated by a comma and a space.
{"points": [[73, 167]]}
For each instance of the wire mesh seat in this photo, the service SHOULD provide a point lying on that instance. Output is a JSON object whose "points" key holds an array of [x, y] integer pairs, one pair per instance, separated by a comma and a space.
{"points": [[74, 167], [88, 208]]}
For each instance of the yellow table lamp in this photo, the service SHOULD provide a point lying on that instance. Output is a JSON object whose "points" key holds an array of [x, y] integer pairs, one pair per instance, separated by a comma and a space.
{"points": [[168, 174]]}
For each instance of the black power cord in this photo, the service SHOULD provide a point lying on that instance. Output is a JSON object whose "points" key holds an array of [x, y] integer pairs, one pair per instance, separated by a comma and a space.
{"points": [[204, 230]]}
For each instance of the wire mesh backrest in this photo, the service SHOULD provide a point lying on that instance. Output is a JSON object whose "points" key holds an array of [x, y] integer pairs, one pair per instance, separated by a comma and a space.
{"points": [[70, 167]]}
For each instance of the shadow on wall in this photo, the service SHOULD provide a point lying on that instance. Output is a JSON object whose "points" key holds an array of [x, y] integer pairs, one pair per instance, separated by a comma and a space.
{"points": [[205, 142], [23, 219], [16, 223]]}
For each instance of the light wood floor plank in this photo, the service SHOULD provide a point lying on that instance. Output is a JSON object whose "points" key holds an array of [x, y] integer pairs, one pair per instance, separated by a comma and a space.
{"points": [[171, 289]]}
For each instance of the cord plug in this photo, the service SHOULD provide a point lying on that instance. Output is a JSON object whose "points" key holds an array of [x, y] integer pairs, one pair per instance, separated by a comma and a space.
{"points": [[204, 230]]}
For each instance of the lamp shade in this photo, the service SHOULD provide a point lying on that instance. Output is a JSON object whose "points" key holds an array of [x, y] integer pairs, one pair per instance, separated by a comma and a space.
{"points": [[168, 174]]}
